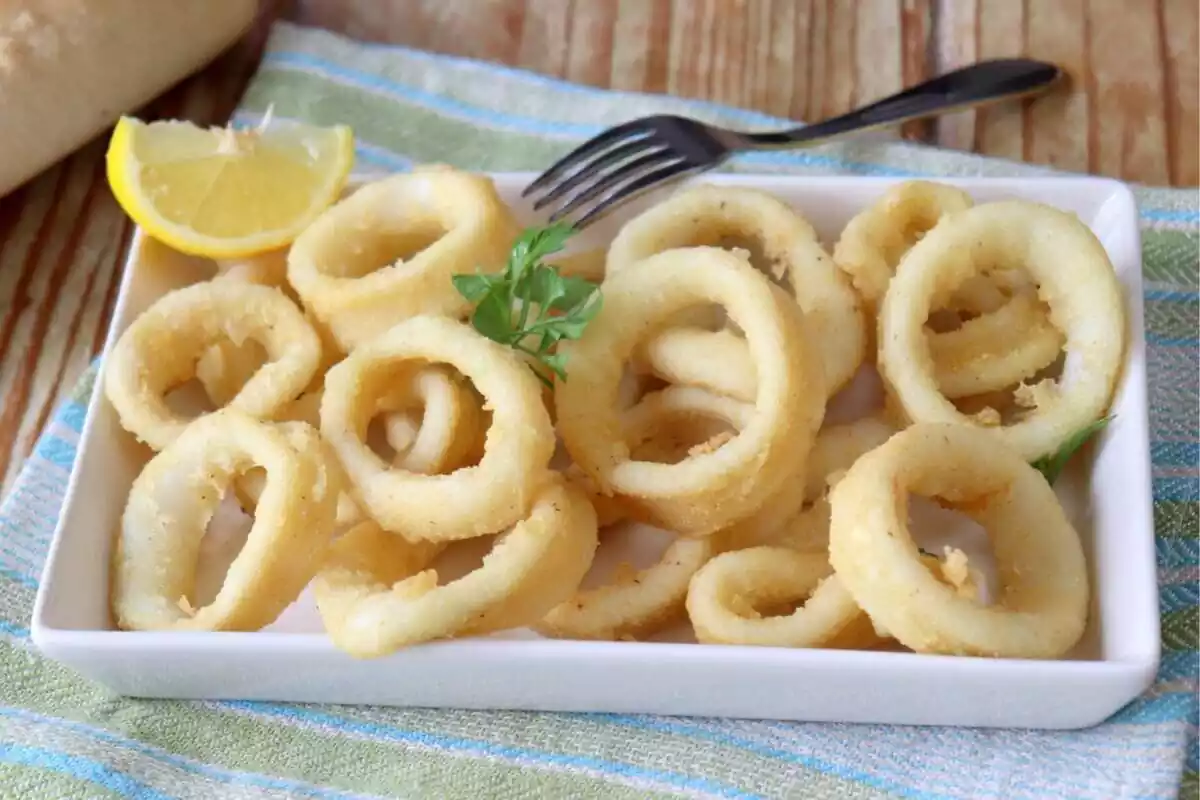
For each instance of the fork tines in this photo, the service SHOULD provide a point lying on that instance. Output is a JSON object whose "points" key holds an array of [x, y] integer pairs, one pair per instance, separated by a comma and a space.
{"points": [[607, 168]]}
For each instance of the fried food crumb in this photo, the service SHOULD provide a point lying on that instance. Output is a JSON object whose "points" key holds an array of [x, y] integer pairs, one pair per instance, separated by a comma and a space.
{"points": [[712, 445], [1038, 395]]}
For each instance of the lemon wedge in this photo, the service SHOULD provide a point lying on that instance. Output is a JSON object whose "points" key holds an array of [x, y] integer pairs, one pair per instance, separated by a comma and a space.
{"points": [[226, 193]]}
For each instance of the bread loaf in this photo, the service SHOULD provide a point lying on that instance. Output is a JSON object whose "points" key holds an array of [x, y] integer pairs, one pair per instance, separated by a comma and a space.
{"points": [[70, 68]]}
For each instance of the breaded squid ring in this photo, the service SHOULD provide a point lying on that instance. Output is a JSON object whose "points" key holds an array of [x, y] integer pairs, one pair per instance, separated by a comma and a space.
{"points": [[664, 426], [708, 491], [996, 350], [637, 604], [715, 360], [724, 595], [1075, 279], [159, 352], [472, 501], [1043, 599], [344, 266], [1010, 337], [376, 595], [447, 420], [799, 516], [172, 500], [224, 369], [875, 239], [708, 214]]}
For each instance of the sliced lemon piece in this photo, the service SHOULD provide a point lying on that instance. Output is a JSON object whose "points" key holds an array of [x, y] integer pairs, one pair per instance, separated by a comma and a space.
{"points": [[225, 193]]}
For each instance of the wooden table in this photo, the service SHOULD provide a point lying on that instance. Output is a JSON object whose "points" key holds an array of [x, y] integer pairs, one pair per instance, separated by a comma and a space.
{"points": [[1130, 112]]}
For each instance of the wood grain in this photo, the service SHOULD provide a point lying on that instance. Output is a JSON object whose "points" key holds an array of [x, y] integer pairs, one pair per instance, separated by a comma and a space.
{"points": [[1130, 111]]}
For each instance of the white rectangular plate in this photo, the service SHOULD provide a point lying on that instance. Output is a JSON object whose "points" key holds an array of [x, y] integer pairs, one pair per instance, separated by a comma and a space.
{"points": [[1107, 494]]}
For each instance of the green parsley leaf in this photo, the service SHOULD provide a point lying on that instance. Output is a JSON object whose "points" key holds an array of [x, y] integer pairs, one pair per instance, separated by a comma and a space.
{"points": [[473, 287], [1051, 466], [529, 306], [492, 317]]}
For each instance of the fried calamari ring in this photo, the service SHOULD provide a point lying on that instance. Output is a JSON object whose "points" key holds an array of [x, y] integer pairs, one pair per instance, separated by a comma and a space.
{"points": [[996, 350], [875, 239], [798, 516], [345, 267], [987, 353], [224, 369], [586, 264], [172, 500], [158, 352], [637, 603], [691, 356], [472, 501], [1043, 600], [837, 447], [1010, 337], [711, 215], [725, 595], [609, 510], [446, 429], [1075, 279], [374, 598], [249, 485], [707, 491], [664, 426], [264, 269]]}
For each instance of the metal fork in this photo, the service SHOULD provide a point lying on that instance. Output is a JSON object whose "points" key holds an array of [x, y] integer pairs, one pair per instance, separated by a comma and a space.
{"points": [[631, 158]]}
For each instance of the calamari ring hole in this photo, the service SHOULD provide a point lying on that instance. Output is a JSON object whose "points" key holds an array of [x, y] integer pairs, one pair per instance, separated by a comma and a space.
{"points": [[461, 558], [1012, 404], [227, 367], [678, 436], [369, 246], [954, 547], [224, 535], [625, 549], [398, 411], [911, 221]]}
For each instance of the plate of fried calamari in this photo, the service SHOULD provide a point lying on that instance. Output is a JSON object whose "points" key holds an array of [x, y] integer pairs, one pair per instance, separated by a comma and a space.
{"points": [[804, 448]]}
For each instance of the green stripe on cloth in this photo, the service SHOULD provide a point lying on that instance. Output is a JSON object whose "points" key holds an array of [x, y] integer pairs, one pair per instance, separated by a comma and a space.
{"points": [[69, 738]]}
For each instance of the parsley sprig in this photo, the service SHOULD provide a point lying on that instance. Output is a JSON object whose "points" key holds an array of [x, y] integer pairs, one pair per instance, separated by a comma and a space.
{"points": [[1051, 466], [529, 306]]}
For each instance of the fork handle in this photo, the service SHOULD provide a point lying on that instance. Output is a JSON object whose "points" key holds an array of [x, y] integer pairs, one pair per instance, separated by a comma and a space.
{"points": [[978, 84]]}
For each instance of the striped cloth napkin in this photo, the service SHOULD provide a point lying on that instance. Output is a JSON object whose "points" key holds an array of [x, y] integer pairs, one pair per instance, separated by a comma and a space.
{"points": [[61, 737]]}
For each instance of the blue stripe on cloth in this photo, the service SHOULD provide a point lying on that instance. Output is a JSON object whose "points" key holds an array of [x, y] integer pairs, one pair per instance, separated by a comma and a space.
{"points": [[1177, 489], [58, 452], [1179, 666], [1174, 454], [1177, 551], [457, 744], [1155, 709], [1172, 341], [73, 415], [1171, 296], [81, 768], [225, 776], [1178, 597], [456, 108], [15, 631]]}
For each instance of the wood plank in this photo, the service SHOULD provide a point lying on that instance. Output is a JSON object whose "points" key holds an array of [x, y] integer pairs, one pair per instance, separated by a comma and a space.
{"points": [[1179, 24], [1127, 109]]}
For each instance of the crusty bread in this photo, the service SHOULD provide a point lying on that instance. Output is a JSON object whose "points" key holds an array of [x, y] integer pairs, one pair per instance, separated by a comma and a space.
{"points": [[69, 68]]}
